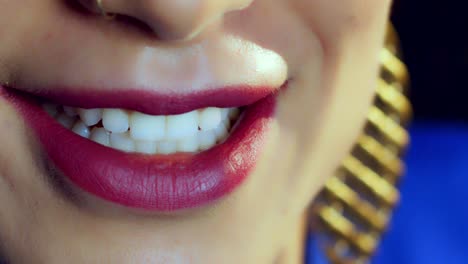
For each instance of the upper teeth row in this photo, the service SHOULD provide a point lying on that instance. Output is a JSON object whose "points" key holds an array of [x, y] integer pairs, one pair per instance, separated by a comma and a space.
{"points": [[134, 131]]}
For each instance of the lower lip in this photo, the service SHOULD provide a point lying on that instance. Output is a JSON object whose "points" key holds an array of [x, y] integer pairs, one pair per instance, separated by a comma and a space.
{"points": [[157, 182]]}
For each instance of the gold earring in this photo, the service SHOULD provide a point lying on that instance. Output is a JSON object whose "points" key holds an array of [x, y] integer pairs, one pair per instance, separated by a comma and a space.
{"points": [[354, 208]]}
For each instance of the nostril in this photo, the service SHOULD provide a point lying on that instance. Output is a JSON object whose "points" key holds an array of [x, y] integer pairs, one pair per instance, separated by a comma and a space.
{"points": [[89, 6], [135, 24], [80, 6]]}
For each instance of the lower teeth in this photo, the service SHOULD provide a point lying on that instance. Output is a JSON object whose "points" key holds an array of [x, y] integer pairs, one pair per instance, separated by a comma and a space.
{"points": [[190, 132]]}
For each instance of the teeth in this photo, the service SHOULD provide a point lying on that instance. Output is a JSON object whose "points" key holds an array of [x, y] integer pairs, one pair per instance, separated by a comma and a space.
{"points": [[189, 144], [65, 120], [146, 127], [210, 118], [70, 111], [206, 139], [90, 116], [182, 126], [146, 147], [131, 131], [51, 109], [227, 123], [167, 147], [81, 129], [221, 132], [101, 136], [224, 113], [234, 113], [122, 141], [115, 120]]}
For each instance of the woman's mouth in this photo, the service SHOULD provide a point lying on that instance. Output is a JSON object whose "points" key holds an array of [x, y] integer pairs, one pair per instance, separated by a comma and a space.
{"points": [[151, 151]]}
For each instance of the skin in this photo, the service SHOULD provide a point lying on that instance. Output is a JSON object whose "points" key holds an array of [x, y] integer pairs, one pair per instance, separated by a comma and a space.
{"points": [[327, 49]]}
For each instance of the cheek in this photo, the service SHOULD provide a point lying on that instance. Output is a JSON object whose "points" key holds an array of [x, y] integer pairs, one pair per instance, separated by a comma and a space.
{"points": [[323, 112], [334, 19]]}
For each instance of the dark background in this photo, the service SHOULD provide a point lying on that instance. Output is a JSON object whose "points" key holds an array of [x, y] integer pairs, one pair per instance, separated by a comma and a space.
{"points": [[434, 36], [430, 224]]}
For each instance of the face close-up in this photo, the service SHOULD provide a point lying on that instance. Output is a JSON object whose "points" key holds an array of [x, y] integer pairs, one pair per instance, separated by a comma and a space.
{"points": [[176, 131]]}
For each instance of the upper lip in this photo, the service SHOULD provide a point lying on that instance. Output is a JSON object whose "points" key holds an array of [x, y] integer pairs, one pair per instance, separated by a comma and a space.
{"points": [[153, 102]]}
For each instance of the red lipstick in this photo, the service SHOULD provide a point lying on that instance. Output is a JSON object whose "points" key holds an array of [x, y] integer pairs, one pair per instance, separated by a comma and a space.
{"points": [[154, 182], [153, 103]]}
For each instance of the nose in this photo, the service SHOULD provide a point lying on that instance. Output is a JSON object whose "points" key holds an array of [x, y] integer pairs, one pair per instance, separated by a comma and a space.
{"points": [[172, 19]]}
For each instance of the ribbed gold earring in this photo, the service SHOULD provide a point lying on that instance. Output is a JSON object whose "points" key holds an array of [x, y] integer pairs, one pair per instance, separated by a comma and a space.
{"points": [[354, 208]]}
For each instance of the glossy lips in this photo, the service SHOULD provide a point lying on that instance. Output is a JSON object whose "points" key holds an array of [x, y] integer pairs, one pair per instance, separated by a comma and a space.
{"points": [[154, 182]]}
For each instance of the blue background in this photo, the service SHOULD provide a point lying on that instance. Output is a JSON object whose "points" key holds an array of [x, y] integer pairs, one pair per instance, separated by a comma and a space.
{"points": [[430, 224]]}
